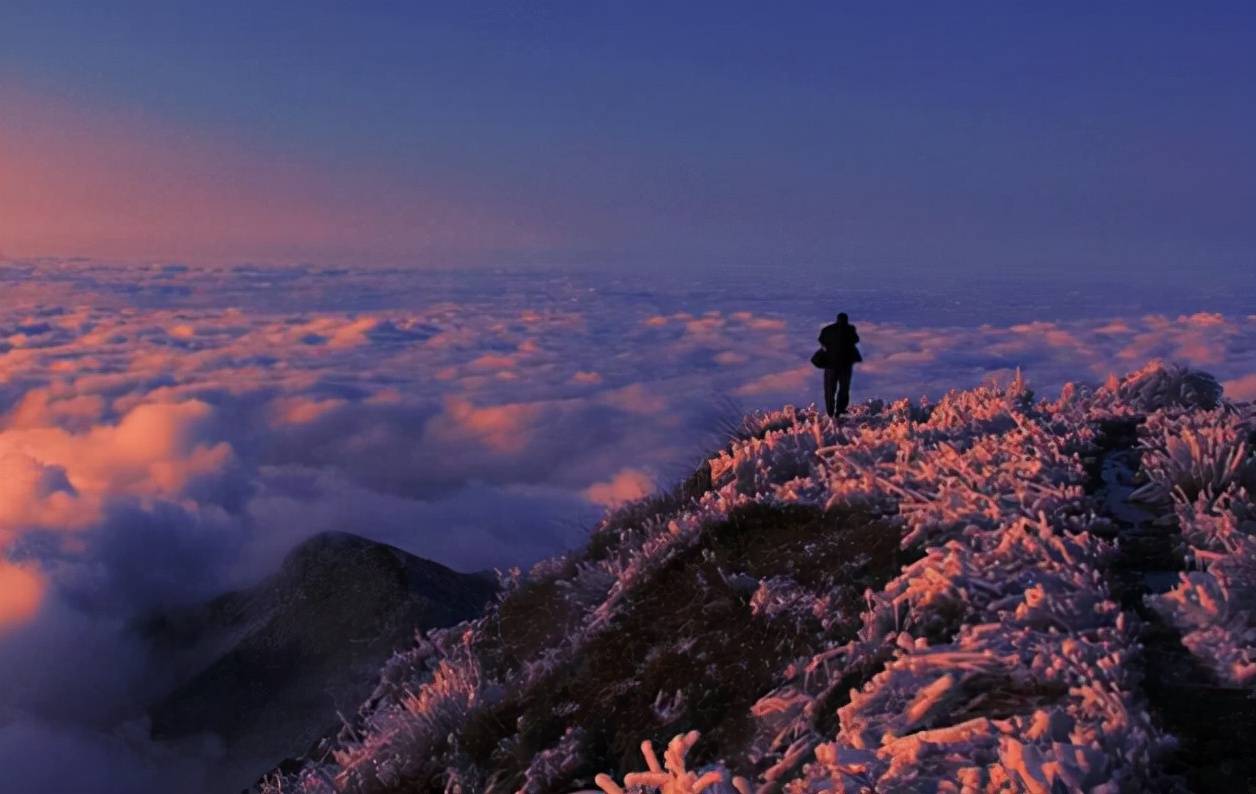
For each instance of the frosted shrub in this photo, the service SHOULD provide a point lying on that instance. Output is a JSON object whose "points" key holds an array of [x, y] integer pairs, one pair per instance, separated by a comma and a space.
{"points": [[941, 482], [1033, 624], [1219, 525], [405, 739], [1202, 464], [986, 409], [673, 777], [1205, 606], [1215, 607], [550, 766], [1023, 571], [759, 423], [1158, 386], [998, 481], [403, 668], [1009, 609], [1189, 454], [779, 596], [589, 585]]}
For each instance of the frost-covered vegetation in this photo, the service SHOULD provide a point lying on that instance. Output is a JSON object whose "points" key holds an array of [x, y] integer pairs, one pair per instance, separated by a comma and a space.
{"points": [[916, 598], [1201, 464]]}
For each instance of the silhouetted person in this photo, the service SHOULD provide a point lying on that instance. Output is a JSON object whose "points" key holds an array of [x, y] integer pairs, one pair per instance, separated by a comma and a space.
{"points": [[840, 353]]}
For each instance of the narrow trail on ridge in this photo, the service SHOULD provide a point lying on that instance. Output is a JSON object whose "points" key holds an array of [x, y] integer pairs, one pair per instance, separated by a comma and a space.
{"points": [[1213, 723]]}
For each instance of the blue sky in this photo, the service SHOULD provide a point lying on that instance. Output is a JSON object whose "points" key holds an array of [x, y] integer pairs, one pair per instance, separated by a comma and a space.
{"points": [[966, 139]]}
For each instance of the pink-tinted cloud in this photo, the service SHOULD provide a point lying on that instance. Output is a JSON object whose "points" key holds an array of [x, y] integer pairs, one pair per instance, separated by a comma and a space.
{"points": [[21, 592], [627, 485], [786, 382], [500, 428], [635, 398], [1241, 388], [133, 387], [57, 480], [37, 495], [493, 361], [300, 410]]}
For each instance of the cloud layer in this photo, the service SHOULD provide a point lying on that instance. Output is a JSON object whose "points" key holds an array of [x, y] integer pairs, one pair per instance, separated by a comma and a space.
{"points": [[166, 433], [478, 419]]}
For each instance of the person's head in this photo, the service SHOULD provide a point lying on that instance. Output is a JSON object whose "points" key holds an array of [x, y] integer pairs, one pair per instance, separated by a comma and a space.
{"points": [[842, 319]]}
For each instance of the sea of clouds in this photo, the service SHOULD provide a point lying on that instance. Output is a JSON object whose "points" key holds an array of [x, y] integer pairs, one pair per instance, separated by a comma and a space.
{"points": [[168, 432]]}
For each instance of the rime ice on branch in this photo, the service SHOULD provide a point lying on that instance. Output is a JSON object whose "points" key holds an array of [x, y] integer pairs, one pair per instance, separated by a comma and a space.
{"points": [[1201, 465]]}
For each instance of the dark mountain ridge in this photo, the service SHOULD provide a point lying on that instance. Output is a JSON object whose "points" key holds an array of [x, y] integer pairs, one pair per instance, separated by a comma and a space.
{"points": [[270, 669]]}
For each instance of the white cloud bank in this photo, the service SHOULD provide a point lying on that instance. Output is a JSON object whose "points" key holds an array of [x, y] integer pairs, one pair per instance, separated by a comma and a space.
{"points": [[476, 419]]}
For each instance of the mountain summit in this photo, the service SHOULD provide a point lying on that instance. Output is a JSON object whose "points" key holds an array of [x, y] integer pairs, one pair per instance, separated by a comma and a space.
{"points": [[992, 593]]}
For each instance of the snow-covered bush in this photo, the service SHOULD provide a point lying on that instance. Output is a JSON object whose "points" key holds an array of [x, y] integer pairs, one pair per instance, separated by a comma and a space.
{"points": [[1196, 453], [1203, 465], [780, 596], [407, 738], [1159, 385], [550, 766], [673, 777]]}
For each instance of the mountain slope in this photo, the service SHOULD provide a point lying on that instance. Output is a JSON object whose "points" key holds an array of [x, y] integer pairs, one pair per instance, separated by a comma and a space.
{"points": [[917, 598], [278, 661]]}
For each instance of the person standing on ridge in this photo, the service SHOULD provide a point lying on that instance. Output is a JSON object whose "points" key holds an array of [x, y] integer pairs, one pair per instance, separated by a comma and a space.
{"points": [[838, 356]]}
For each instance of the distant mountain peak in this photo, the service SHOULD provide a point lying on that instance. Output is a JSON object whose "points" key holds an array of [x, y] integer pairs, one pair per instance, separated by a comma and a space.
{"points": [[272, 666]]}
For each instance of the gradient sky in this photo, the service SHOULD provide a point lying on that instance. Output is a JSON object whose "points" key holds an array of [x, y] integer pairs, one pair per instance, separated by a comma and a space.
{"points": [[958, 138]]}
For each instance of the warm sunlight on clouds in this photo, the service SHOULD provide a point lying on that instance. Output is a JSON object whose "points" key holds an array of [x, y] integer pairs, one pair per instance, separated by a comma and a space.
{"points": [[154, 451], [505, 429], [1241, 388], [372, 401], [36, 495], [302, 410], [627, 485], [21, 590]]}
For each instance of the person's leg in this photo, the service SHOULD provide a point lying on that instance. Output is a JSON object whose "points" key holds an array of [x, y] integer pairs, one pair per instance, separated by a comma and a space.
{"points": [[843, 394], [830, 386]]}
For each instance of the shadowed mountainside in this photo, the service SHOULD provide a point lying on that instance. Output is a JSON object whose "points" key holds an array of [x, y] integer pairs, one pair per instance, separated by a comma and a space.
{"points": [[272, 667]]}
